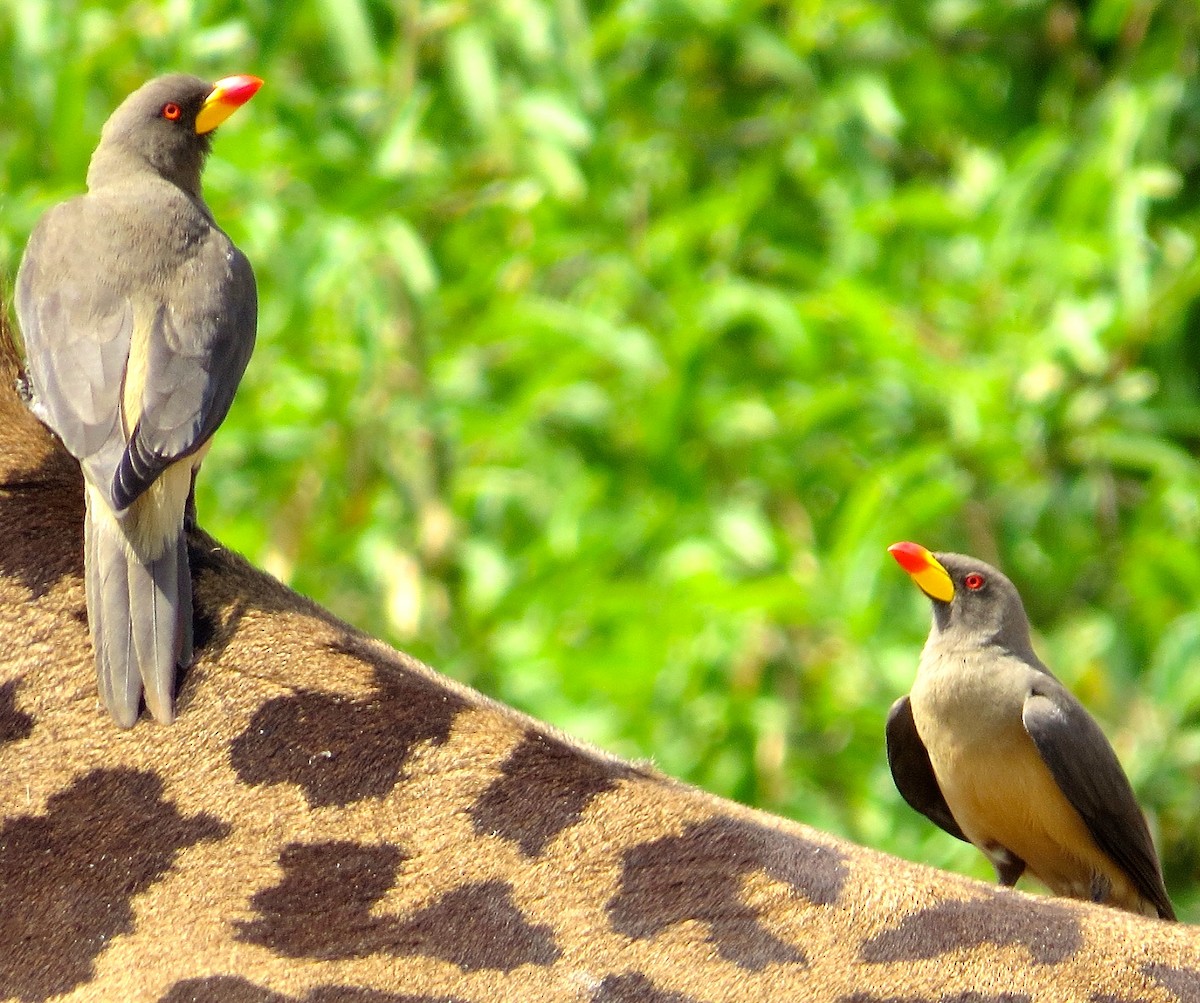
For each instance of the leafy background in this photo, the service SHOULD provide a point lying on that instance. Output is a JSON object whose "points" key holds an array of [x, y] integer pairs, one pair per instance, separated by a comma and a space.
{"points": [[604, 347]]}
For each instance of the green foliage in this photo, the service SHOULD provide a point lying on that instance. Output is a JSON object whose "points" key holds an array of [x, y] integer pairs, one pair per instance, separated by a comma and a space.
{"points": [[604, 348]]}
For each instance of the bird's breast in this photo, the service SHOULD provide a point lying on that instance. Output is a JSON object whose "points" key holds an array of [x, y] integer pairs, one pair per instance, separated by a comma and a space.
{"points": [[966, 699], [968, 713]]}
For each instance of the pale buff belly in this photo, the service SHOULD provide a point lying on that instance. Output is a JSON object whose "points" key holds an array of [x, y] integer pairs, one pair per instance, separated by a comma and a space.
{"points": [[1004, 797]]}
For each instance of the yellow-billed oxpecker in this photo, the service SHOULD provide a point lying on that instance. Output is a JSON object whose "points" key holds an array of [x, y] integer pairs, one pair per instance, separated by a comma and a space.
{"points": [[138, 316], [990, 746]]}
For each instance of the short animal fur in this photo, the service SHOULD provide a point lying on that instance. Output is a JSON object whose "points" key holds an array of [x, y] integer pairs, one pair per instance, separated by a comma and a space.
{"points": [[329, 821]]}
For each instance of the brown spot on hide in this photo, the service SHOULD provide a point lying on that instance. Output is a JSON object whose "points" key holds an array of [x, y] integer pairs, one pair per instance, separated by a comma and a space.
{"points": [[1050, 932], [698, 876], [41, 511], [235, 989], [201, 550], [635, 988], [1183, 982], [965, 997], [544, 787], [341, 994], [14, 724], [342, 749], [221, 989], [476, 927], [68, 877], [322, 909]]}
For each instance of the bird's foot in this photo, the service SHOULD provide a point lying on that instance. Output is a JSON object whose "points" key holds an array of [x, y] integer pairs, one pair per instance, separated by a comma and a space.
{"points": [[1009, 867], [1101, 889]]}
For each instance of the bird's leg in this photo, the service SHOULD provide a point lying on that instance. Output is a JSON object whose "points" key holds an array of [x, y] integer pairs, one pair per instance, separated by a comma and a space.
{"points": [[30, 398], [189, 508], [25, 389], [1009, 867], [1101, 890]]}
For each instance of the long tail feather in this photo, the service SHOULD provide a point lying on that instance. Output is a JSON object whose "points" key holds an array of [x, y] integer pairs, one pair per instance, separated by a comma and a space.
{"points": [[154, 613], [106, 577], [140, 616]]}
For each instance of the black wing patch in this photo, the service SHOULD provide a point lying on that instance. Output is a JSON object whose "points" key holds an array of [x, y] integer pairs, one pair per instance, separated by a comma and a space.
{"points": [[1087, 771], [913, 772]]}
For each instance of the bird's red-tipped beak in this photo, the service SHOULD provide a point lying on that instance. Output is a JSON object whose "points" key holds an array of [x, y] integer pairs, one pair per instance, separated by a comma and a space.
{"points": [[924, 569], [226, 97]]}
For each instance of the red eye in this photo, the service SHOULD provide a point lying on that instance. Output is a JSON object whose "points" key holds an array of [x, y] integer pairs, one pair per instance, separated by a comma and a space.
{"points": [[974, 581], [171, 111]]}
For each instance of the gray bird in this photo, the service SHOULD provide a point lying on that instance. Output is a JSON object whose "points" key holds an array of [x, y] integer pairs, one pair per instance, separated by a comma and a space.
{"points": [[138, 316], [992, 748]]}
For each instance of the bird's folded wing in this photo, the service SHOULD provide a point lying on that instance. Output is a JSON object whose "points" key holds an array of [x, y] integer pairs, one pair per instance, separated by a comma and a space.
{"points": [[1087, 771], [77, 332], [912, 770], [198, 350]]}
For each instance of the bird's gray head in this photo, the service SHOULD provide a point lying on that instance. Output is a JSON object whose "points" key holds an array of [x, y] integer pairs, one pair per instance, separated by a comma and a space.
{"points": [[166, 126], [972, 601]]}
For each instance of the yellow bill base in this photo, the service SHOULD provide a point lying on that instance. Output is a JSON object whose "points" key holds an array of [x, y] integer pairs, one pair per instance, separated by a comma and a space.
{"points": [[934, 582]]}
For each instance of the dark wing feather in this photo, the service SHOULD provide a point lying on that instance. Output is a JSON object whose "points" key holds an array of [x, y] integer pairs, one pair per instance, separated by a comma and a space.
{"points": [[913, 772], [77, 331], [199, 347], [1087, 771]]}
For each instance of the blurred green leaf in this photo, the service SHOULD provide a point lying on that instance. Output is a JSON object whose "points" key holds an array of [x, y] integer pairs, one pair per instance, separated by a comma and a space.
{"points": [[604, 348]]}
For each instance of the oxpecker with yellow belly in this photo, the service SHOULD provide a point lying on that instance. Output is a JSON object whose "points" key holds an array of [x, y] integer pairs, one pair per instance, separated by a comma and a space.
{"points": [[991, 747]]}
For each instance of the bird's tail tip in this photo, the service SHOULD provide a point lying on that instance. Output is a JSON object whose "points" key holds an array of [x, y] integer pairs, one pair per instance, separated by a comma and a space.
{"points": [[140, 617]]}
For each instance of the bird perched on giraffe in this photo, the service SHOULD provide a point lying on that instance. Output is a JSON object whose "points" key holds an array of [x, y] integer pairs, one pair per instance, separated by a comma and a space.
{"points": [[138, 316], [992, 748]]}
